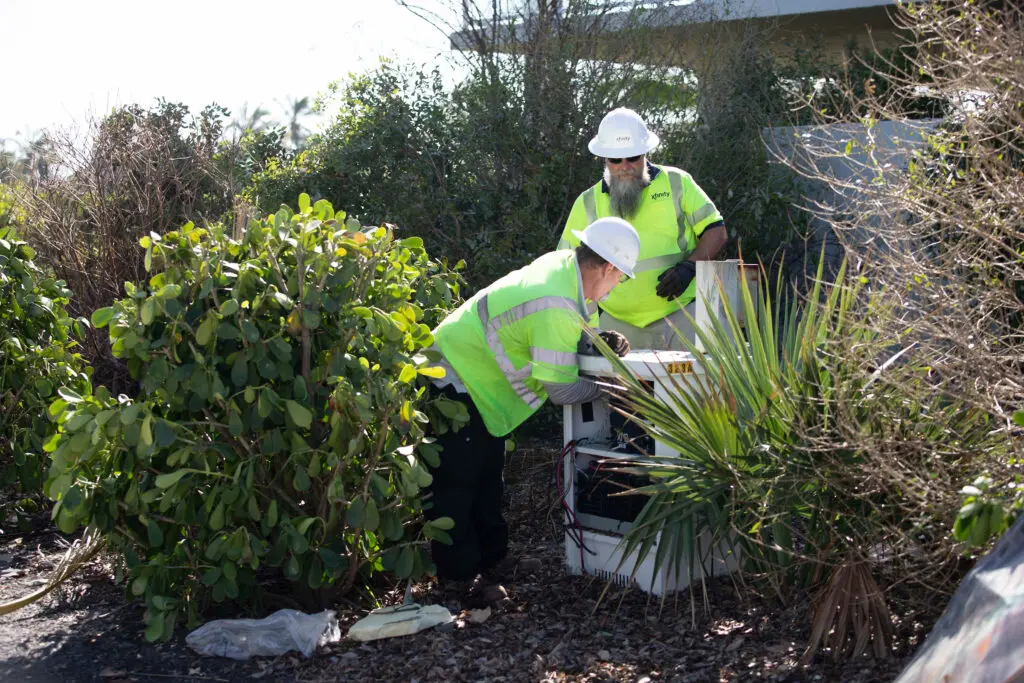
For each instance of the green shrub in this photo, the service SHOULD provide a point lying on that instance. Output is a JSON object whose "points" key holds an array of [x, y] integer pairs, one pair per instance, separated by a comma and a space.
{"points": [[280, 422], [990, 507], [36, 358], [10, 214]]}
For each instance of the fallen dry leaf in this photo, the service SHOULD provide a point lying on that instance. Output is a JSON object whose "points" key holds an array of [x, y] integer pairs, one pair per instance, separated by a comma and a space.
{"points": [[479, 616]]}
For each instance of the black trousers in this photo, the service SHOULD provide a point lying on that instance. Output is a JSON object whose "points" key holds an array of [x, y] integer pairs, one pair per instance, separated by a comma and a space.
{"points": [[468, 487]]}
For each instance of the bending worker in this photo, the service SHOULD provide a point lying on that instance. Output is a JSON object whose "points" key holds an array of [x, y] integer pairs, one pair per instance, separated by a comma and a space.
{"points": [[677, 223], [505, 351]]}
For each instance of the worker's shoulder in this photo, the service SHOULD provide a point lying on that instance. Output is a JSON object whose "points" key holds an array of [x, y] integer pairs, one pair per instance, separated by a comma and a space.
{"points": [[666, 169], [595, 186]]}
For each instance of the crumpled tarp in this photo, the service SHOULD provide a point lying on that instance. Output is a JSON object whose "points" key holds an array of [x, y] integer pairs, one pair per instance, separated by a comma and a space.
{"points": [[980, 637], [404, 620]]}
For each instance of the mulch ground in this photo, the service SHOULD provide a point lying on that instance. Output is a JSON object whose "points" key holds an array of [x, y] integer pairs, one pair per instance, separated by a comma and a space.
{"points": [[554, 627]]}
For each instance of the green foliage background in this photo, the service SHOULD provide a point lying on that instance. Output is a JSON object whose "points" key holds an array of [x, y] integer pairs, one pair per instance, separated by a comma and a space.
{"points": [[37, 355], [487, 171]]}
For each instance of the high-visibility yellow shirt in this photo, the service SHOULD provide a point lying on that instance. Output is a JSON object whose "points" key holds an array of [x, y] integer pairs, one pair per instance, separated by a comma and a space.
{"points": [[517, 334], [672, 214]]}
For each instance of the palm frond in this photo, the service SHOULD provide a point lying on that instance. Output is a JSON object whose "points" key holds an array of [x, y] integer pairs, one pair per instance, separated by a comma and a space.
{"points": [[743, 479], [78, 555]]}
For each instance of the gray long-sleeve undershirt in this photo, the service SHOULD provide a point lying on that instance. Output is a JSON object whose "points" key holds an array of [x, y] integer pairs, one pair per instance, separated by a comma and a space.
{"points": [[580, 391]]}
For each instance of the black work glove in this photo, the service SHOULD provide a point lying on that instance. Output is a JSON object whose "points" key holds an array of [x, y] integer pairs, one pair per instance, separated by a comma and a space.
{"points": [[618, 343], [616, 340], [674, 281]]}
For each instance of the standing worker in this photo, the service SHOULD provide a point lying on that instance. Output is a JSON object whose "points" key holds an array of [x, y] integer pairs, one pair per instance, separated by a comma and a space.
{"points": [[677, 223], [505, 351]]}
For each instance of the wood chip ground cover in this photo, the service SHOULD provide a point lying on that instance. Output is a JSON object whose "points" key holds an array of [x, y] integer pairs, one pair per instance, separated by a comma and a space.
{"points": [[552, 628]]}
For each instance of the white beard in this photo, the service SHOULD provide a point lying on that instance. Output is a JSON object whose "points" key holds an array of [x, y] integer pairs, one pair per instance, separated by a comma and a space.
{"points": [[625, 193]]}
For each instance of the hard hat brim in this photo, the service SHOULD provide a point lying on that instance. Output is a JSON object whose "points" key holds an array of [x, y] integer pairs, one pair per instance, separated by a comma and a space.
{"points": [[581, 236], [599, 150]]}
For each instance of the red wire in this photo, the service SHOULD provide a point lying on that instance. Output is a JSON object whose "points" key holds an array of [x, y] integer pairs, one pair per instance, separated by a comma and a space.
{"points": [[569, 448]]}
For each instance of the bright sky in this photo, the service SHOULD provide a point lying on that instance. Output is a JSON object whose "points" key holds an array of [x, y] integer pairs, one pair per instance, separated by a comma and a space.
{"points": [[67, 58]]}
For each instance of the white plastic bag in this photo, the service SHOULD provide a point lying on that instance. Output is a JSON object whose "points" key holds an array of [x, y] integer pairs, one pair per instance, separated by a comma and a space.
{"points": [[284, 630]]}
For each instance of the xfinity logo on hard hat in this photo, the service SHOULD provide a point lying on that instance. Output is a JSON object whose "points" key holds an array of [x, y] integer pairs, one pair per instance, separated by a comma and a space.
{"points": [[622, 134]]}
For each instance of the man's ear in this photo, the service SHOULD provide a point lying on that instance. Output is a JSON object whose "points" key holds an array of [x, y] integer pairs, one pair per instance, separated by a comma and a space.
{"points": [[607, 269]]}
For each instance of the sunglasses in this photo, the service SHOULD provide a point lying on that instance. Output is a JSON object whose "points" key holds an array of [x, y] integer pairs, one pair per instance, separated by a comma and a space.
{"points": [[618, 160]]}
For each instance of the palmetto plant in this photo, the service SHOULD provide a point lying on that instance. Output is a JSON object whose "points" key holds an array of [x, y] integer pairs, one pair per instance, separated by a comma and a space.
{"points": [[803, 450]]}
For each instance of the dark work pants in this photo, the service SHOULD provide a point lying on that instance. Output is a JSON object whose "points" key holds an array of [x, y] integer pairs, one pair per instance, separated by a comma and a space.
{"points": [[468, 487]]}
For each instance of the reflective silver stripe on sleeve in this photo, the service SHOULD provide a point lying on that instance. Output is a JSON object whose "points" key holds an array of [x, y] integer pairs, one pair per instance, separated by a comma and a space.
{"points": [[676, 184], [517, 378], [563, 244], [541, 355], [590, 204], [702, 213], [657, 262], [580, 391], [451, 378]]}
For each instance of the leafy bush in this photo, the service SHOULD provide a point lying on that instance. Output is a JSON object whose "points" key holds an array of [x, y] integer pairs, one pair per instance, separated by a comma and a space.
{"points": [[823, 475], [10, 214], [990, 507], [279, 423], [36, 357]]}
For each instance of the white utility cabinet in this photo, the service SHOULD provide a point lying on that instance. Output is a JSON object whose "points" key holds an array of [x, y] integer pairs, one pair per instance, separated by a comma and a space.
{"points": [[589, 427]]}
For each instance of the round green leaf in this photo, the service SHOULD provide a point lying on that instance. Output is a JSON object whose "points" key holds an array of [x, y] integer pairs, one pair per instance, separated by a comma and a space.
{"points": [[101, 317], [217, 518], [371, 517], [148, 311], [146, 432], [164, 434], [69, 395], [211, 576], [291, 567], [253, 508], [443, 523], [165, 481], [301, 480], [156, 535], [206, 329], [403, 567], [229, 307], [168, 292], [139, 585], [300, 415], [155, 627], [408, 374]]}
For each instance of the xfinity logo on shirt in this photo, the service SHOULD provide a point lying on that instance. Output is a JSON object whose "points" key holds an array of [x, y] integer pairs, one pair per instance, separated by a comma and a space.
{"points": [[660, 195]]}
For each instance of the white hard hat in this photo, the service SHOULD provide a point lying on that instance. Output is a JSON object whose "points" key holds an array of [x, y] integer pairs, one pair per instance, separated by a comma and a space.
{"points": [[614, 240], [622, 133]]}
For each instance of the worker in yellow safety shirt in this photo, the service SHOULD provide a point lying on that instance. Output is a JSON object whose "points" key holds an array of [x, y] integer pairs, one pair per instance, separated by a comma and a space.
{"points": [[678, 225], [505, 351]]}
